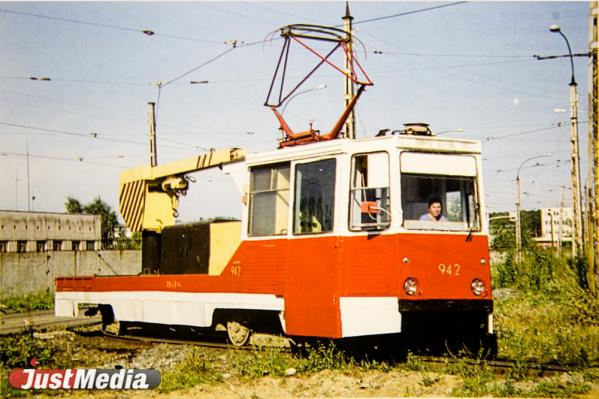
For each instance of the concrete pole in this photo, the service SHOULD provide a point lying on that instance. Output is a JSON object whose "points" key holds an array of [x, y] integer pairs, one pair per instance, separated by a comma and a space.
{"points": [[28, 186], [576, 189], [152, 121], [350, 124], [590, 249], [518, 223], [593, 141], [578, 239], [552, 228], [560, 232], [16, 189]]}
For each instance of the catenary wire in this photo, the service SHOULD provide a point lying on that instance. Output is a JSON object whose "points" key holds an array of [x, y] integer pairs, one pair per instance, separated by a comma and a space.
{"points": [[109, 26]]}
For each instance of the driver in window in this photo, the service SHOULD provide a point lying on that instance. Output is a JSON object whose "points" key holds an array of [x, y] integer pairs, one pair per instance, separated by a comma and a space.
{"points": [[434, 211]]}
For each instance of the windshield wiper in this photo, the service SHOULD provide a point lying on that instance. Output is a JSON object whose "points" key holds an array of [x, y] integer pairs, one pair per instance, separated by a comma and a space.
{"points": [[469, 237]]}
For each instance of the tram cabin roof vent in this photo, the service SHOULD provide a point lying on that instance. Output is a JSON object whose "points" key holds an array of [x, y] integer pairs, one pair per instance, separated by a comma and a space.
{"points": [[417, 129]]}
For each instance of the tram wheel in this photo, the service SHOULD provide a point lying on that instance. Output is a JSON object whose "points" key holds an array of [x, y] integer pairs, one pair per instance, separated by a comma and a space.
{"points": [[237, 333]]}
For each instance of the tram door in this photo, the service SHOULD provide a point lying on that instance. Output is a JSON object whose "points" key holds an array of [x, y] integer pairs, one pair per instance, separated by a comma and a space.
{"points": [[313, 255]]}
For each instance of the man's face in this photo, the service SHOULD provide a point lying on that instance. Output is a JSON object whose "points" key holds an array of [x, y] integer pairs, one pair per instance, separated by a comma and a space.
{"points": [[435, 209]]}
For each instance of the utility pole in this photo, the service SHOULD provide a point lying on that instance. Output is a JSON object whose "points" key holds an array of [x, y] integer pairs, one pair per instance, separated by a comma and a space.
{"points": [[578, 239], [552, 228], [518, 223], [350, 124], [560, 232], [16, 189], [593, 142], [152, 122], [28, 187], [577, 248]]}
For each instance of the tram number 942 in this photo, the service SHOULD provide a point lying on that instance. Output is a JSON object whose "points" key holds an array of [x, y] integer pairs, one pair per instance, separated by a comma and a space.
{"points": [[449, 269]]}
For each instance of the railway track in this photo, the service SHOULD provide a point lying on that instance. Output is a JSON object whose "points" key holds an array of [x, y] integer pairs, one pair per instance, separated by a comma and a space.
{"points": [[503, 366], [260, 341], [39, 320], [203, 344], [43, 320]]}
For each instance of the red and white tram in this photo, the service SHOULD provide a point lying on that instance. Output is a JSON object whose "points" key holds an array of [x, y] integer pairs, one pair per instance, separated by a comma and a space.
{"points": [[330, 245]]}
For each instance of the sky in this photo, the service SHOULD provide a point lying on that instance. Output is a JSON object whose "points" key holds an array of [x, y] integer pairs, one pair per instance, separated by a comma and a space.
{"points": [[467, 68]]}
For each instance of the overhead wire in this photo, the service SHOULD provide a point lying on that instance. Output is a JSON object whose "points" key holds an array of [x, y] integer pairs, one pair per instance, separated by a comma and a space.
{"points": [[198, 67], [403, 14], [147, 32], [453, 55], [521, 133], [235, 14], [483, 83], [92, 135], [54, 158], [303, 17]]}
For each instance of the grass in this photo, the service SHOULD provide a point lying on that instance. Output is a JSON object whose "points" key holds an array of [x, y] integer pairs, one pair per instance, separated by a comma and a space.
{"points": [[473, 380], [17, 351], [546, 315], [197, 368], [43, 300], [547, 318]]}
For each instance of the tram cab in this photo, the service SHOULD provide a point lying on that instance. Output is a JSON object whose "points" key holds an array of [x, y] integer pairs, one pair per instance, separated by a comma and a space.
{"points": [[345, 218]]}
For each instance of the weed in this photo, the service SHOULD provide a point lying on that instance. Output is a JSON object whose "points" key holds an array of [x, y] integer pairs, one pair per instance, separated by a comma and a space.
{"points": [[42, 300], [16, 351], [195, 369], [365, 365], [268, 361], [558, 388], [428, 380], [549, 317], [413, 364], [325, 356], [505, 389]]}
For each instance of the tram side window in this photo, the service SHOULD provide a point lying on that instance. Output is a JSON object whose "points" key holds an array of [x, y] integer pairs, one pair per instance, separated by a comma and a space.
{"points": [[457, 195], [269, 200], [369, 193], [314, 197]]}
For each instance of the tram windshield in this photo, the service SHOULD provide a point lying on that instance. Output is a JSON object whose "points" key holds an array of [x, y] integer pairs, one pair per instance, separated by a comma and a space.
{"points": [[456, 194]]}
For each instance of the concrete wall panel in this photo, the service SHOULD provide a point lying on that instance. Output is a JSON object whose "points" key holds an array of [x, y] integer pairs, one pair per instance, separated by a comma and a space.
{"points": [[27, 273]]}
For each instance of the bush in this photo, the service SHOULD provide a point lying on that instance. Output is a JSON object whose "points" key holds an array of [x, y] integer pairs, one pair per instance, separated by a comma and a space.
{"points": [[43, 300], [16, 351], [550, 317]]}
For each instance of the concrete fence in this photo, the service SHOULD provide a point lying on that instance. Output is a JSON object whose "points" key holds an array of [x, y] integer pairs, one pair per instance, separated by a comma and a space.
{"points": [[32, 272]]}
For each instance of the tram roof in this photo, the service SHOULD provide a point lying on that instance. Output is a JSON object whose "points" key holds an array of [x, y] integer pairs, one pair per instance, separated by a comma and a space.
{"points": [[371, 144]]}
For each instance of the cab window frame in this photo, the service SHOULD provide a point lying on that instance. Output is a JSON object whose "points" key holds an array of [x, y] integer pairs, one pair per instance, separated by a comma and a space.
{"points": [[471, 215], [297, 199], [273, 186], [356, 228]]}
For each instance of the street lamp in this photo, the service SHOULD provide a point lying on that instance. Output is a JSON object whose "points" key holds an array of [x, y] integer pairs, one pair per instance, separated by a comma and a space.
{"points": [[319, 87], [518, 222], [574, 149]]}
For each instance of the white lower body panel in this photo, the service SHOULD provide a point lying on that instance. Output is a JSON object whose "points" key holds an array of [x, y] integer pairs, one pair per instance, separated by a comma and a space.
{"points": [[369, 316], [177, 308]]}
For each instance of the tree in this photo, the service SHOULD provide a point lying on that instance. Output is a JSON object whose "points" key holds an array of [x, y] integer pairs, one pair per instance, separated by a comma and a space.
{"points": [[73, 205], [503, 230], [108, 217]]}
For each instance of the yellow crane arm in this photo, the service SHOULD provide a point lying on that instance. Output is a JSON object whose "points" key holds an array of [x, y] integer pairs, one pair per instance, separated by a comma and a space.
{"points": [[149, 195]]}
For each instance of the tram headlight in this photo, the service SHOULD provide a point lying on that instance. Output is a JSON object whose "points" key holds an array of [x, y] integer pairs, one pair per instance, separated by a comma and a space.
{"points": [[410, 286], [477, 286]]}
